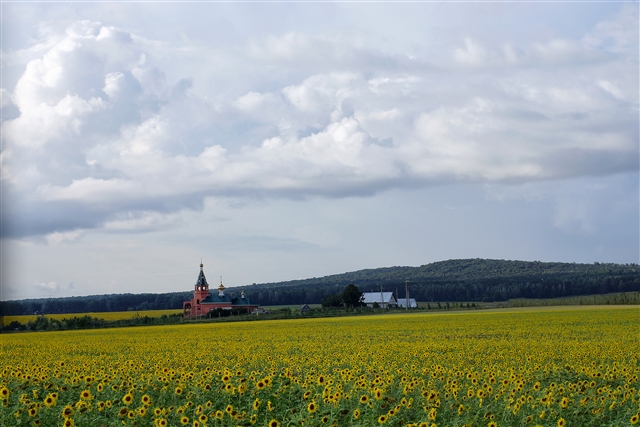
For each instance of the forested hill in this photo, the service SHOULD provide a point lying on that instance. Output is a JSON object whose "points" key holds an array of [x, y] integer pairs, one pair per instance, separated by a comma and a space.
{"points": [[466, 270], [453, 280], [465, 280]]}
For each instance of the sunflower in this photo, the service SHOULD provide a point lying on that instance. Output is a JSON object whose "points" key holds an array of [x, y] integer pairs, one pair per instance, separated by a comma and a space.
{"points": [[67, 411], [562, 422], [228, 409], [86, 395], [146, 400], [219, 414], [492, 424], [203, 418], [260, 385], [312, 407], [127, 398], [49, 401], [382, 419], [142, 411], [68, 422], [178, 391], [356, 414], [364, 398], [433, 413], [274, 423], [635, 419], [32, 412]]}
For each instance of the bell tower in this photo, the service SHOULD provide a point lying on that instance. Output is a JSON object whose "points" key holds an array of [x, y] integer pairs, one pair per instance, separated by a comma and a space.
{"points": [[202, 287]]}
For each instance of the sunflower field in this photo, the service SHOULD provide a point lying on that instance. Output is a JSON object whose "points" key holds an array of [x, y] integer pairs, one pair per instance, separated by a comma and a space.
{"points": [[527, 367]]}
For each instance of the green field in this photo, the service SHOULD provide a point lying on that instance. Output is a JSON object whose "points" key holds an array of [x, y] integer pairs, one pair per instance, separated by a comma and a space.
{"points": [[113, 315]]}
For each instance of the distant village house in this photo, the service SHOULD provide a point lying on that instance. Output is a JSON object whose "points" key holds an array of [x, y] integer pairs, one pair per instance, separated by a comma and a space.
{"points": [[305, 308], [402, 303], [381, 299]]}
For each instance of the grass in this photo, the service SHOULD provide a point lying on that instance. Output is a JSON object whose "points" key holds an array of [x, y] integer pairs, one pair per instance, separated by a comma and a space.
{"points": [[113, 315]]}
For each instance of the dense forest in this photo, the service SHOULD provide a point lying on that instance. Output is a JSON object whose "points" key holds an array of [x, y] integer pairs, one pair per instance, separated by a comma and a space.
{"points": [[454, 280]]}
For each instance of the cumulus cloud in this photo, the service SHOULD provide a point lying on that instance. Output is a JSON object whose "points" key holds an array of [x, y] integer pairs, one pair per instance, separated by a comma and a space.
{"points": [[107, 137], [53, 287]]}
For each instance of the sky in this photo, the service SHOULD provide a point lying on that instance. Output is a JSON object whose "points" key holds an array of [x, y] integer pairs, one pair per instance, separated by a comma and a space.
{"points": [[288, 140]]}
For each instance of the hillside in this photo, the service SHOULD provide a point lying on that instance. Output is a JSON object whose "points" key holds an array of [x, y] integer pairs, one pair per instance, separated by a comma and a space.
{"points": [[465, 280], [452, 280]]}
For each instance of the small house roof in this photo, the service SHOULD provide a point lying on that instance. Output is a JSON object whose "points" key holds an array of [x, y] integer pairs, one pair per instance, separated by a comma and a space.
{"points": [[379, 297], [402, 302]]}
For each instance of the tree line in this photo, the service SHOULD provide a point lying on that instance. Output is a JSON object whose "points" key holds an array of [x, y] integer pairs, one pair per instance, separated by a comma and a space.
{"points": [[454, 281]]}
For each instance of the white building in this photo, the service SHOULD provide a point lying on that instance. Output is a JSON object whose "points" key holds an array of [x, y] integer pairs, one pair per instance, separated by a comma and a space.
{"points": [[383, 299], [402, 303]]}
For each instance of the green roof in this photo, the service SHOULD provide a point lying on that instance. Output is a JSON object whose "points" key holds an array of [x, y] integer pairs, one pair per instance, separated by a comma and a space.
{"points": [[226, 299]]}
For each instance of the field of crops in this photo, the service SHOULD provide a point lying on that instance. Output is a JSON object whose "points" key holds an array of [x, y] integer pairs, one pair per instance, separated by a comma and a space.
{"points": [[107, 315], [518, 368]]}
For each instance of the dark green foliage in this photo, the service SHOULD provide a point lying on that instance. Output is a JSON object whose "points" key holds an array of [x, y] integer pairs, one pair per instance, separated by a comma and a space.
{"points": [[464, 280], [44, 323], [219, 312], [351, 296], [333, 300], [95, 304]]}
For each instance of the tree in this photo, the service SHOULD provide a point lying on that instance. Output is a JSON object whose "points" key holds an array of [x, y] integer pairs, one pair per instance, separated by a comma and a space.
{"points": [[351, 296], [332, 300]]}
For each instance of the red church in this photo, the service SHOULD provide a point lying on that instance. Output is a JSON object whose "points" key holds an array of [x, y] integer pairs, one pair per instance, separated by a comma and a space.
{"points": [[203, 302]]}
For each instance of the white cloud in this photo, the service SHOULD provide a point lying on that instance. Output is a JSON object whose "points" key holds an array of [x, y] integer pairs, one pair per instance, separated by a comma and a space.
{"points": [[56, 238], [611, 88], [53, 287], [105, 121], [141, 222], [471, 54]]}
